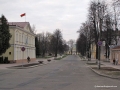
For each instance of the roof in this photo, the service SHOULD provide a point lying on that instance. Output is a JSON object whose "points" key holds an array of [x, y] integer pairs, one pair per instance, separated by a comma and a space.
{"points": [[19, 24]]}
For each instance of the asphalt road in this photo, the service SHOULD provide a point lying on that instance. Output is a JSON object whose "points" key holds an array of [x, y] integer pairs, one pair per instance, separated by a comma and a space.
{"points": [[68, 74]]}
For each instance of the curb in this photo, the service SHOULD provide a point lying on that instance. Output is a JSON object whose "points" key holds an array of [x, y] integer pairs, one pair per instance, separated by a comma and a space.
{"points": [[13, 67], [104, 75]]}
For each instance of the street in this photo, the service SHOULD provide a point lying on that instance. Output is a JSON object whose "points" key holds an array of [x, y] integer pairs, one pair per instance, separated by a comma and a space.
{"points": [[69, 73]]}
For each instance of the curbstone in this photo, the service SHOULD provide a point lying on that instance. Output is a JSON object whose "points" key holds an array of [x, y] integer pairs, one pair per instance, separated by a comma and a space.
{"points": [[104, 75], [40, 64]]}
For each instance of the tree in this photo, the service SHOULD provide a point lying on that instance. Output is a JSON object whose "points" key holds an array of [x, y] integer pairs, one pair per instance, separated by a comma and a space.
{"points": [[115, 17], [86, 32], [93, 19], [39, 36], [33, 29], [48, 39], [43, 40], [81, 44], [4, 35], [65, 46], [71, 43], [97, 12], [37, 46], [117, 2], [108, 34], [56, 42], [51, 43]]}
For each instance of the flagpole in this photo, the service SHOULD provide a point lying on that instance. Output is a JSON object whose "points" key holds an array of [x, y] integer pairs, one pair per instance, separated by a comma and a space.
{"points": [[24, 14], [25, 17]]}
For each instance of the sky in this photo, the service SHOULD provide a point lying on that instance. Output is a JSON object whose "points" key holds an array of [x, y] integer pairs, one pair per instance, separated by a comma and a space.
{"points": [[48, 15]]}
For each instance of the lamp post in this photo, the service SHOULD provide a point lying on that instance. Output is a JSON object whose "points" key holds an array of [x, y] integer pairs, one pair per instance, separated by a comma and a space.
{"points": [[99, 39]]}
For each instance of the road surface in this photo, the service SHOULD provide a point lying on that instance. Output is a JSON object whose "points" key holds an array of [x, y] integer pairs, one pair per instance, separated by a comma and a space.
{"points": [[68, 74]]}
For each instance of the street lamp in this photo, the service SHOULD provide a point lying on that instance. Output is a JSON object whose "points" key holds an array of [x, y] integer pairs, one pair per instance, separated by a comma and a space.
{"points": [[99, 39]]}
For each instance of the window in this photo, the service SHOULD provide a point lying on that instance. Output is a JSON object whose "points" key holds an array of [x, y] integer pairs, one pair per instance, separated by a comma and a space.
{"points": [[19, 37], [9, 53], [16, 38]]}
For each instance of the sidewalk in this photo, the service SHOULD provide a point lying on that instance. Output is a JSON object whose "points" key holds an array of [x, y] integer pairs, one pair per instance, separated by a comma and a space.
{"points": [[6, 66], [107, 69], [107, 64]]}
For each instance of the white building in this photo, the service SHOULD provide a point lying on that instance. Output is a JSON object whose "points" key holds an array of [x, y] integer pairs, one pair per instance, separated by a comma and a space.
{"points": [[22, 36]]}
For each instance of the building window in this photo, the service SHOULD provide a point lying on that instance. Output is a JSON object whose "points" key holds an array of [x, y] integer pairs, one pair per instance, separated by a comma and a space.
{"points": [[19, 37], [16, 37], [9, 53]]}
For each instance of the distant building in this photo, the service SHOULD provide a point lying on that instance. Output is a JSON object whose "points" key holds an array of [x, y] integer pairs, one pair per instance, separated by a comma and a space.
{"points": [[22, 36], [74, 49]]}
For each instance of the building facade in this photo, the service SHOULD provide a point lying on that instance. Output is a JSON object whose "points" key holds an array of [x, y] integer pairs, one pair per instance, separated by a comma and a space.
{"points": [[93, 51], [22, 37], [115, 54]]}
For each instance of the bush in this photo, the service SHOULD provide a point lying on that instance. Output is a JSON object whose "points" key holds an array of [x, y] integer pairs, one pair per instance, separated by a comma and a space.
{"points": [[50, 54], [6, 60], [1, 60]]}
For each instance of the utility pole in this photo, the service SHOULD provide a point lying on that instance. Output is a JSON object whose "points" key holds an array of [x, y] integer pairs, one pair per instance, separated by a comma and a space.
{"points": [[99, 40]]}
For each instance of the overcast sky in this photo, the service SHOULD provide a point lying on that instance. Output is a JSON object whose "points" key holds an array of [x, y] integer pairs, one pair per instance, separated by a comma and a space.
{"points": [[48, 15]]}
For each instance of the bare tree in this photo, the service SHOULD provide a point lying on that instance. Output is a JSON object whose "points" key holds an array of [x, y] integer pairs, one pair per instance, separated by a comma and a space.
{"points": [[117, 2], [47, 42], [107, 34], [37, 47], [56, 41], [97, 12], [81, 44], [71, 43], [115, 17], [93, 20], [44, 41], [86, 32], [34, 29]]}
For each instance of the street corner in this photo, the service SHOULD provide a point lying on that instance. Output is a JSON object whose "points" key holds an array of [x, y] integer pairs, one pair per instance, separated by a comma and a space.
{"points": [[109, 72]]}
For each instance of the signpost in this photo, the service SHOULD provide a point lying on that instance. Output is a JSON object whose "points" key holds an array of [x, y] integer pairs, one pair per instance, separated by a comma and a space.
{"points": [[23, 49]]}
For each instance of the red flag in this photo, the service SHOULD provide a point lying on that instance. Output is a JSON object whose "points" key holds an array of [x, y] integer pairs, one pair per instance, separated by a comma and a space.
{"points": [[22, 14]]}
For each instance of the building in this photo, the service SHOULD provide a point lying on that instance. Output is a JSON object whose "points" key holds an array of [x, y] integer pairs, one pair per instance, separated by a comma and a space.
{"points": [[22, 37], [93, 50], [115, 54], [74, 49]]}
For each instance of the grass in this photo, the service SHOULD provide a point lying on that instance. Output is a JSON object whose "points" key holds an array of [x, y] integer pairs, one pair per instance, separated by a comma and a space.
{"points": [[27, 65], [116, 73], [108, 71], [92, 63], [60, 57], [45, 57]]}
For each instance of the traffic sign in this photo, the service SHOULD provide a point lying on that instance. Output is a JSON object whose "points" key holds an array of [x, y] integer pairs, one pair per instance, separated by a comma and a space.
{"points": [[99, 43], [23, 49]]}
